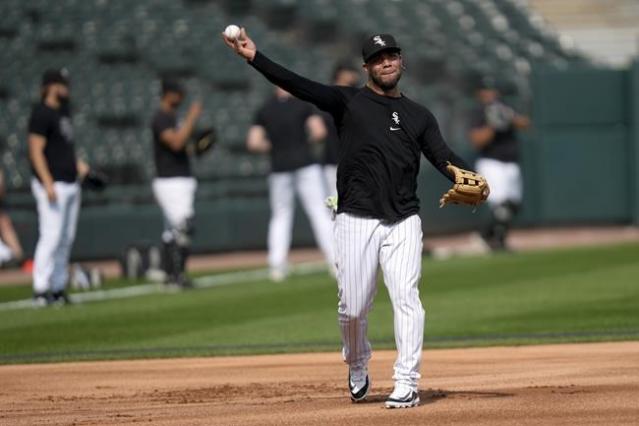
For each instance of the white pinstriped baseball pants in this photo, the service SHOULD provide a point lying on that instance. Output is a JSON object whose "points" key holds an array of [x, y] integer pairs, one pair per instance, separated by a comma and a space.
{"points": [[361, 245]]}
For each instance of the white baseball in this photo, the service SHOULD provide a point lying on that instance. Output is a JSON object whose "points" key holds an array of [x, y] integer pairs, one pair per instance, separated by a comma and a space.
{"points": [[232, 32]]}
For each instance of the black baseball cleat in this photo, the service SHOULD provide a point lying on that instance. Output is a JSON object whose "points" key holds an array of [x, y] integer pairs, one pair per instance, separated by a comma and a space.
{"points": [[402, 397], [358, 384], [60, 298]]}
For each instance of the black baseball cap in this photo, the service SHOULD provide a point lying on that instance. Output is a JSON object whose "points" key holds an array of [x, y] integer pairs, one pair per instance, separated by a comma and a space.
{"points": [[52, 76], [379, 43]]}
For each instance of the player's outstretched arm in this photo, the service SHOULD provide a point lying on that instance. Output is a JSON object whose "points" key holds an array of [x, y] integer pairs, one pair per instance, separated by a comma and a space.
{"points": [[327, 98]]}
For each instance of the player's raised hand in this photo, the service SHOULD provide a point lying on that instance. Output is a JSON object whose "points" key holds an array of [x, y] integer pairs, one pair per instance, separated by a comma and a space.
{"points": [[195, 110], [242, 45]]}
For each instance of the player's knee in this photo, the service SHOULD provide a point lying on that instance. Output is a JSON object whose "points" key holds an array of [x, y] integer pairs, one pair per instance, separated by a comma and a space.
{"points": [[514, 206], [503, 212], [411, 305], [351, 311], [52, 239]]}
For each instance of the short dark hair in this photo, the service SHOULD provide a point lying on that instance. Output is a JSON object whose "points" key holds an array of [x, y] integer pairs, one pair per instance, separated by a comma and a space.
{"points": [[343, 67], [172, 86], [55, 76]]}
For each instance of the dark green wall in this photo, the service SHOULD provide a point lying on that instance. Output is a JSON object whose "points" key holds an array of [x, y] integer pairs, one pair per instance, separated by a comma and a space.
{"points": [[634, 136], [583, 154]]}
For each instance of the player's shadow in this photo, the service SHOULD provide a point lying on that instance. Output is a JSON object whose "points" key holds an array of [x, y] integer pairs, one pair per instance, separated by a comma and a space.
{"points": [[430, 396]]}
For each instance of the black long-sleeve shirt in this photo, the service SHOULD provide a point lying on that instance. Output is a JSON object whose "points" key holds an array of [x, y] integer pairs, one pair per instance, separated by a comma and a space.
{"points": [[381, 141]]}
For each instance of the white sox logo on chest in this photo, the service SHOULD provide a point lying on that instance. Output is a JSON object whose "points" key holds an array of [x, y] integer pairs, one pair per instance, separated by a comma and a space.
{"points": [[66, 129], [395, 119]]}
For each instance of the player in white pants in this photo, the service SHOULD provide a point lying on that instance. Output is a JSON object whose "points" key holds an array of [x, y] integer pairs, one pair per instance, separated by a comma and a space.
{"points": [[176, 196], [174, 185], [493, 132], [382, 137], [361, 245], [307, 183], [57, 225], [55, 187], [283, 127]]}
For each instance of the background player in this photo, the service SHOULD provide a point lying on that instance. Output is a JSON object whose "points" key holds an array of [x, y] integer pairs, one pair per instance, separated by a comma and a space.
{"points": [[283, 128], [343, 75], [174, 185], [493, 133], [55, 187], [382, 134], [11, 253]]}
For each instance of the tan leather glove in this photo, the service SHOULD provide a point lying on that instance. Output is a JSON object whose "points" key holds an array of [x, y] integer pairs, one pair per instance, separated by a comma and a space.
{"points": [[469, 188]]}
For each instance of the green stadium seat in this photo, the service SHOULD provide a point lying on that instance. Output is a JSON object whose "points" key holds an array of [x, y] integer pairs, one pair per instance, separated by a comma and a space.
{"points": [[118, 50]]}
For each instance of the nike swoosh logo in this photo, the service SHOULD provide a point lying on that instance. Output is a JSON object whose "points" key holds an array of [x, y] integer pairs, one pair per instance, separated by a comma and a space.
{"points": [[395, 128]]}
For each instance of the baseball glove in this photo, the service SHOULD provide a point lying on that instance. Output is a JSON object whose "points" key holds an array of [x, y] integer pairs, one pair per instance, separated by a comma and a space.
{"points": [[95, 180], [469, 188], [203, 141]]}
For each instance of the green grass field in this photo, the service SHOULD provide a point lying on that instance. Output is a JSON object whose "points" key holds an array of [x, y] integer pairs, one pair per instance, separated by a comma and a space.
{"points": [[585, 294]]}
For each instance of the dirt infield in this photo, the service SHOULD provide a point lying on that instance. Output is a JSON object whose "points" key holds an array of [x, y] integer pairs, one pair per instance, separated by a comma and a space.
{"points": [[554, 384]]}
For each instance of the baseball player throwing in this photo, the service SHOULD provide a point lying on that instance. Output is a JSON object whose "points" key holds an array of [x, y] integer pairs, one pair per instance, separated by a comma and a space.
{"points": [[382, 135]]}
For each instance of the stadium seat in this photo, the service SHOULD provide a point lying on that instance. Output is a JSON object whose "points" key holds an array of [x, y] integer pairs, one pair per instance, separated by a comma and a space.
{"points": [[117, 51]]}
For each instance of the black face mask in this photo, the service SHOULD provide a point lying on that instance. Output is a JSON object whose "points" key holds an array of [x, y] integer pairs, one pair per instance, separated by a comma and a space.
{"points": [[175, 105], [65, 105]]}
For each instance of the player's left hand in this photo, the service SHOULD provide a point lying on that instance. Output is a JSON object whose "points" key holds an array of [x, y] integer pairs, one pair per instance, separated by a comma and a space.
{"points": [[470, 188], [83, 169], [203, 141], [95, 180]]}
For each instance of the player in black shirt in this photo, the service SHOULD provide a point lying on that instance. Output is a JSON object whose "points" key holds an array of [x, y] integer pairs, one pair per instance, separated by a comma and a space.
{"points": [[493, 132], [382, 136], [343, 75], [174, 185], [55, 187], [283, 127]]}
